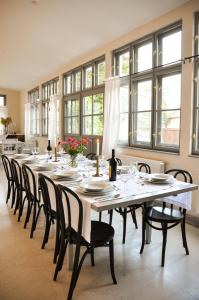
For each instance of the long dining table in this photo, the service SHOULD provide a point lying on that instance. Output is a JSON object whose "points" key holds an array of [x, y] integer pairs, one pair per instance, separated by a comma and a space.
{"points": [[137, 190]]}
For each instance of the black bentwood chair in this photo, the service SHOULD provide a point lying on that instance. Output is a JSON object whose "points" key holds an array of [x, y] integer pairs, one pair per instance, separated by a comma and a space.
{"points": [[10, 180], [101, 236], [49, 196], [20, 189], [33, 198], [168, 217], [91, 156], [142, 167]]}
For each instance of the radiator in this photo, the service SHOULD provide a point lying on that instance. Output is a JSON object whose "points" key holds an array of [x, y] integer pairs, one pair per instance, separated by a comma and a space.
{"points": [[156, 165]]}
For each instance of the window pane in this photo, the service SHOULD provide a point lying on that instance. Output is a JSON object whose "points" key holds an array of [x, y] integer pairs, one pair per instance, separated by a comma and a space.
{"points": [[98, 104], [87, 125], [87, 105], [2, 100], [75, 125], [144, 57], [68, 108], [197, 85], [88, 77], [170, 92], [171, 47], [124, 98], [98, 125], [68, 84], [196, 140], [168, 129], [123, 130], [77, 81], [75, 108], [68, 125], [144, 94], [100, 73], [142, 127], [123, 64]]}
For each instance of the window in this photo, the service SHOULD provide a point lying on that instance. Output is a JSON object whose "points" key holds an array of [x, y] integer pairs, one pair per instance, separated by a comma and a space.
{"points": [[84, 99], [48, 89], [3, 111], [33, 97], [150, 71], [2, 100], [195, 143]]}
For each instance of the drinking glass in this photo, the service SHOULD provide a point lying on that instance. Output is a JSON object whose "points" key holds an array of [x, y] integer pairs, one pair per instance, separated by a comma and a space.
{"points": [[125, 175]]}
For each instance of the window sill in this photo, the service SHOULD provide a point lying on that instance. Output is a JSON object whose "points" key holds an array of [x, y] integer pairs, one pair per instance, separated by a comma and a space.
{"points": [[148, 150]]}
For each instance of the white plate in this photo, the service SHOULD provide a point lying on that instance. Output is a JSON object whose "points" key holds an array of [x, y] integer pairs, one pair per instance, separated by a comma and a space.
{"points": [[95, 186], [21, 155], [69, 174], [95, 193], [43, 167], [160, 177]]}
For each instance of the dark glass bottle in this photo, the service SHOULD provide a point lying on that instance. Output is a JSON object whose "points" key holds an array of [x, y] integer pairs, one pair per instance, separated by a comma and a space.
{"points": [[49, 148], [113, 167]]}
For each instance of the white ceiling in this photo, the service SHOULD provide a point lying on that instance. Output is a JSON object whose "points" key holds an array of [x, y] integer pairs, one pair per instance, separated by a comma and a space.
{"points": [[37, 37]]}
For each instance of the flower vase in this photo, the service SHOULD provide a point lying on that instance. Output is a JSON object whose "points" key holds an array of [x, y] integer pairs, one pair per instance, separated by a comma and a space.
{"points": [[73, 161]]}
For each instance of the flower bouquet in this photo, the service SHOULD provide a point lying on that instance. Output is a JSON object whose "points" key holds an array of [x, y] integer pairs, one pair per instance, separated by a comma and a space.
{"points": [[73, 147], [6, 122]]}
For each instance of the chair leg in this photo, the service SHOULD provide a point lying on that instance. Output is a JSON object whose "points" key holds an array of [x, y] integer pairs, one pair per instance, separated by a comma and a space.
{"points": [[92, 257], [184, 239], [21, 208], [111, 216], [57, 242], [133, 214], [8, 192], [74, 276], [29, 209], [111, 253], [33, 219], [164, 243], [46, 234], [18, 201], [100, 216], [143, 234], [37, 216], [13, 194], [62, 251], [124, 215]]}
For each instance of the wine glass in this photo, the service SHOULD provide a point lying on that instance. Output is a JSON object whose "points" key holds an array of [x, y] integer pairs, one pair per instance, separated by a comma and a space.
{"points": [[125, 175], [35, 151]]}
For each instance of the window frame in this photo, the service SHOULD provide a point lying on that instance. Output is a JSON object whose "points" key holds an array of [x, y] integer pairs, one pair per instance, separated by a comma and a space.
{"points": [[45, 101], [195, 118], [35, 104], [4, 100], [153, 73], [94, 89]]}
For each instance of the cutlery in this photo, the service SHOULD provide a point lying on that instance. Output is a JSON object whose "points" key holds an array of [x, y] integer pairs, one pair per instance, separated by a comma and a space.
{"points": [[104, 199]]}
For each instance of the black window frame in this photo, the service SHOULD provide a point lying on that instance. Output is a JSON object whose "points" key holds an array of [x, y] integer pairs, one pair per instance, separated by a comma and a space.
{"points": [[156, 71]]}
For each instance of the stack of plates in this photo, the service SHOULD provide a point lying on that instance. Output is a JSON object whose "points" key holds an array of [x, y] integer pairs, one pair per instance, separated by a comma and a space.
{"points": [[21, 155], [95, 188], [43, 167], [159, 178], [29, 160], [66, 176]]}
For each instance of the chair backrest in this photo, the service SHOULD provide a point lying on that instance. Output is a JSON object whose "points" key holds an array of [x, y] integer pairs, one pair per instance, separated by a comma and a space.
{"points": [[118, 161], [91, 156], [178, 173], [17, 173], [29, 182], [49, 194], [143, 166], [67, 202], [7, 166]]}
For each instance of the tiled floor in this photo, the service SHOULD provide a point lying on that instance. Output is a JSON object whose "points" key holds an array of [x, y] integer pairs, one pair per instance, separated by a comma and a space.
{"points": [[26, 270]]}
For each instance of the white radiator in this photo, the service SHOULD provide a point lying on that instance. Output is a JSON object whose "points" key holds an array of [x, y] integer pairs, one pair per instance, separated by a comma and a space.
{"points": [[156, 165]]}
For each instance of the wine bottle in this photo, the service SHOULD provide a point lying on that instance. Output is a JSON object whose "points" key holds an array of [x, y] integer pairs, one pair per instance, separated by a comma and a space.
{"points": [[112, 167], [49, 149]]}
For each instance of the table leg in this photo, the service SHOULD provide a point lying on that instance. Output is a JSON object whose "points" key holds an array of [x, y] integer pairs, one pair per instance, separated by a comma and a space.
{"points": [[148, 228], [70, 256]]}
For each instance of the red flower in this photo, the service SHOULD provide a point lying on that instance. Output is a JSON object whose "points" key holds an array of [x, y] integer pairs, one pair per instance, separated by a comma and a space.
{"points": [[85, 141]]}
